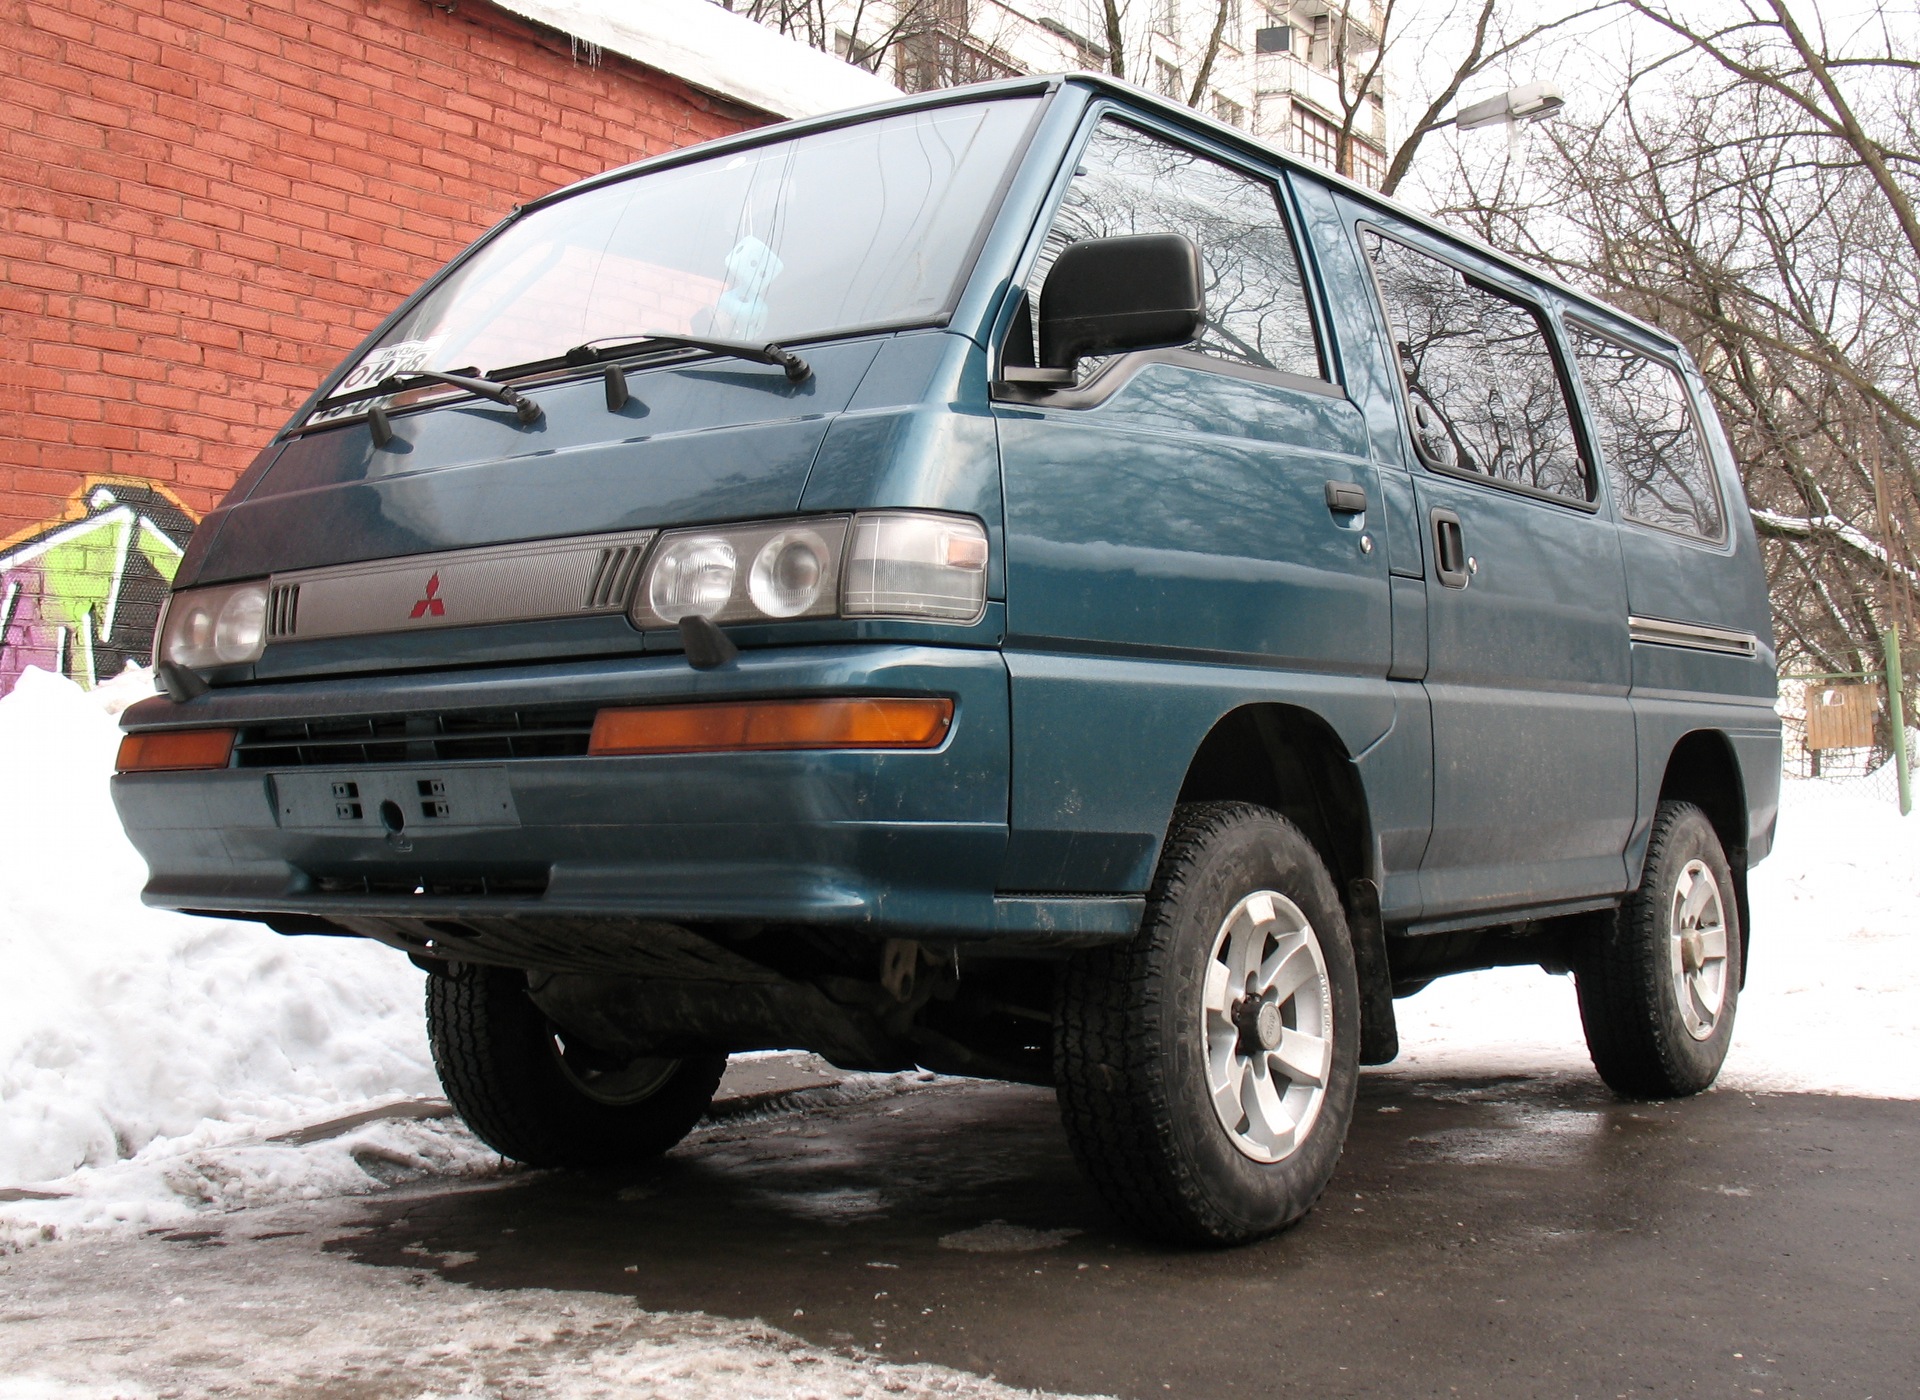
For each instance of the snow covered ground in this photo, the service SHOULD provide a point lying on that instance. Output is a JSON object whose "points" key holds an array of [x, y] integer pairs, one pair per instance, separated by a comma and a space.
{"points": [[271, 1312], [149, 1061], [1829, 1002]]}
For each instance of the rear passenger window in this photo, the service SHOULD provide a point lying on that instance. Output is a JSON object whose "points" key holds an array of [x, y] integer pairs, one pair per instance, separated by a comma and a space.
{"points": [[1131, 182], [1482, 384], [1648, 439]]}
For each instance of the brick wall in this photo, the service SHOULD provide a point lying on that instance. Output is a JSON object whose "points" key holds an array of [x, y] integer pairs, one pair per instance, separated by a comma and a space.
{"points": [[205, 203]]}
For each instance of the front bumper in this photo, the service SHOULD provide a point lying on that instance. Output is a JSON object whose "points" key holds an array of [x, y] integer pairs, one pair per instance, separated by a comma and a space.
{"points": [[902, 843]]}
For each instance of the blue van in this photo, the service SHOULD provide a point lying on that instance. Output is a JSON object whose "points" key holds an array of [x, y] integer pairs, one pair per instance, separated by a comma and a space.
{"points": [[1023, 581]]}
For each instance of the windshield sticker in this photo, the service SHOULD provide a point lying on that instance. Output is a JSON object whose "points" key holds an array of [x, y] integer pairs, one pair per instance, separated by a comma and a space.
{"points": [[397, 358], [742, 309]]}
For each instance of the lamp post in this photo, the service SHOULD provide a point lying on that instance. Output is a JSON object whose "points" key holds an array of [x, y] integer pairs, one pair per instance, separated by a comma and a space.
{"points": [[1515, 108]]}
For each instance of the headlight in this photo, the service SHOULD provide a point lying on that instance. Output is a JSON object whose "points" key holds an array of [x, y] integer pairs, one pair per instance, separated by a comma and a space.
{"points": [[889, 563], [205, 627], [790, 573], [693, 577], [744, 573]]}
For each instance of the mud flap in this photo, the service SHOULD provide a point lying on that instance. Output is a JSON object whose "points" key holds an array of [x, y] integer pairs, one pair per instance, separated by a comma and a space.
{"points": [[1379, 1031]]}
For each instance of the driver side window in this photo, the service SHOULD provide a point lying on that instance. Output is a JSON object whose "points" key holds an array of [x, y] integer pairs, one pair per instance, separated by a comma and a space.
{"points": [[1131, 182]]}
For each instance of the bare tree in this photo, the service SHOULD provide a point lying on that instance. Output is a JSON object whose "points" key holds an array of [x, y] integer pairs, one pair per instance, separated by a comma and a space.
{"points": [[1491, 44], [1753, 190], [1114, 13], [930, 43], [1223, 11]]}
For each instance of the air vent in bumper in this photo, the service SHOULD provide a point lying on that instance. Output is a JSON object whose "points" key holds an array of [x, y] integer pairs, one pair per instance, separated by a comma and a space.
{"points": [[462, 737]]}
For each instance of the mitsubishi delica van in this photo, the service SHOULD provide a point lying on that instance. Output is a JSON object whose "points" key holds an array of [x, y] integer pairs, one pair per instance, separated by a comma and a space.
{"points": [[1021, 581]]}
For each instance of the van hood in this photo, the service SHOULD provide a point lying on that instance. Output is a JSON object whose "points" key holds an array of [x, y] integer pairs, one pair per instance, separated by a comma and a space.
{"points": [[713, 439]]}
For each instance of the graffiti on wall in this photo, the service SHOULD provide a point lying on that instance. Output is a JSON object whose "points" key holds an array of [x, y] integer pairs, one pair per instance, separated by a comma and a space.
{"points": [[80, 596]]}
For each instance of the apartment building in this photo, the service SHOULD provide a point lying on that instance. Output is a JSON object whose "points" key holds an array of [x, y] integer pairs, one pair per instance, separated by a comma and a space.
{"points": [[1295, 73]]}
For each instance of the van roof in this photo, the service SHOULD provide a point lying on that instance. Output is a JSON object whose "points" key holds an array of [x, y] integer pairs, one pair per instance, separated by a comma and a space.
{"points": [[1176, 112]]}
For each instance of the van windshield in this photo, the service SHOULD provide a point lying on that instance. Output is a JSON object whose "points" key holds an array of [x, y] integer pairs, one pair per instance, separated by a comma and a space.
{"points": [[860, 226]]}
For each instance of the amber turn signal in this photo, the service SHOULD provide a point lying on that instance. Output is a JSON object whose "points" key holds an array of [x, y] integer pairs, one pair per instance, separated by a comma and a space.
{"points": [[841, 723], [171, 750]]}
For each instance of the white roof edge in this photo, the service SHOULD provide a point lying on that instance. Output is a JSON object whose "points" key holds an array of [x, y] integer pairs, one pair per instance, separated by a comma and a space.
{"points": [[714, 50]]}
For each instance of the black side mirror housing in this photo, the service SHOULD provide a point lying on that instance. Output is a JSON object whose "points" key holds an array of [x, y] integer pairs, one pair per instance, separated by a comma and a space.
{"points": [[1104, 295]]}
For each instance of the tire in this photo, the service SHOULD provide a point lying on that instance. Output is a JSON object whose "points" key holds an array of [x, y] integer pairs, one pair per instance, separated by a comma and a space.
{"points": [[530, 1096], [1659, 990], [1144, 1032]]}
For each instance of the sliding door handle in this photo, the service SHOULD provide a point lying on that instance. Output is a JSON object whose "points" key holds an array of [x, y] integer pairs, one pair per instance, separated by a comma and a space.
{"points": [[1450, 563]]}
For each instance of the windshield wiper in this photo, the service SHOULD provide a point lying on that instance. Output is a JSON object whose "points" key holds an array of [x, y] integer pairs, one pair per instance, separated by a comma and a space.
{"points": [[760, 353], [528, 410], [472, 381]]}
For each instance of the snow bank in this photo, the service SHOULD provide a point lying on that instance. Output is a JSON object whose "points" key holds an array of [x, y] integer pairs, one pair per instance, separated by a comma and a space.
{"points": [[130, 1036], [1835, 965]]}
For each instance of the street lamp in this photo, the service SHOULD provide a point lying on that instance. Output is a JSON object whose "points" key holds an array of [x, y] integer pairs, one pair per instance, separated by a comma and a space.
{"points": [[1530, 102]]}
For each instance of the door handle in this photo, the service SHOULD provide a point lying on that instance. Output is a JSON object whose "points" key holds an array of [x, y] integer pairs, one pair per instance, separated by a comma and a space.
{"points": [[1450, 562], [1345, 498]]}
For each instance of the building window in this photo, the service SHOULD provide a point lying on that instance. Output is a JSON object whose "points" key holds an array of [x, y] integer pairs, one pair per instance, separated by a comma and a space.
{"points": [[1167, 79], [1315, 138], [1228, 111], [1273, 38], [1369, 165], [1166, 18]]}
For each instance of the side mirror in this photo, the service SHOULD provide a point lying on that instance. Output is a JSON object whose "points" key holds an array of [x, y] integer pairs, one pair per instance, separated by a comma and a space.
{"points": [[1105, 295]]}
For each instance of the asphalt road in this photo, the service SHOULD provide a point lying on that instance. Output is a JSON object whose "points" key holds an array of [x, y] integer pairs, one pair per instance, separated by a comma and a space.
{"points": [[1482, 1238]]}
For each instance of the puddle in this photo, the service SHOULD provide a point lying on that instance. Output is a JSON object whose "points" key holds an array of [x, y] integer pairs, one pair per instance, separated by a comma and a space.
{"points": [[1545, 1138], [842, 1206]]}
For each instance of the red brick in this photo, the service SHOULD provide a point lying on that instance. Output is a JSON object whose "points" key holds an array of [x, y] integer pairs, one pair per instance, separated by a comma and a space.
{"points": [[204, 204]]}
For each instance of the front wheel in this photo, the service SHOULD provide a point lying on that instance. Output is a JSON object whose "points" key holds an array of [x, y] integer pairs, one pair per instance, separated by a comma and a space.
{"points": [[530, 1094], [1207, 1068], [1658, 992]]}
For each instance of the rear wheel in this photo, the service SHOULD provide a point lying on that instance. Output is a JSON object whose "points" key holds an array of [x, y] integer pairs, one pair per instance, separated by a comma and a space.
{"points": [[532, 1095], [1207, 1069], [1658, 993]]}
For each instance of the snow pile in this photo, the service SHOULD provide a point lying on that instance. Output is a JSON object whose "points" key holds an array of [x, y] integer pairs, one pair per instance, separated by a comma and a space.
{"points": [[1835, 964], [132, 1039]]}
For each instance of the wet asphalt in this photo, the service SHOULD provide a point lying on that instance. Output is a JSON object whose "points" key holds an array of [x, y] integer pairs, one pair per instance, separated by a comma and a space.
{"points": [[1483, 1237]]}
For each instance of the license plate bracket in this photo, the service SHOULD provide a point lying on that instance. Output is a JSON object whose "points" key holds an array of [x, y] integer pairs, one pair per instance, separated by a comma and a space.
{"points": [[424, 799]]}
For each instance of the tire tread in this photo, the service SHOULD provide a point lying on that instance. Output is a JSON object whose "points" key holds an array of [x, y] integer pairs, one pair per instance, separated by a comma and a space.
{"points": [[1115, 1097], [486, 1038]]}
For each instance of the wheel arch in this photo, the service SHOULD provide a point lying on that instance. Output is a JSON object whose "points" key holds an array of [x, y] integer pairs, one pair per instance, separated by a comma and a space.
{"points": [[1290, 759], [1703, 769]]}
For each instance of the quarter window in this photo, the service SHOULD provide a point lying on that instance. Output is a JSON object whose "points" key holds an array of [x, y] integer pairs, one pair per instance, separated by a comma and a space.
{"points": [[1649, 439], [1131, 182], [1481, 381]]}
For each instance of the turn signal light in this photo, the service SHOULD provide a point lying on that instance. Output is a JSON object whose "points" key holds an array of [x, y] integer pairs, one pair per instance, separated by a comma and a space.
{"points": [[171, 750], [844, 723]]}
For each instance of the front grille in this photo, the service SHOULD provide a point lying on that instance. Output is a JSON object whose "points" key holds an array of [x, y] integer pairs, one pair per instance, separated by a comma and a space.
{"points": [[612, 578], [468, 736], [283, 611]]}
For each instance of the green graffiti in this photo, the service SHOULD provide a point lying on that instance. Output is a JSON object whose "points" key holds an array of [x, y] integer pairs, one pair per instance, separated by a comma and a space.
{"points": [[81, 597]]}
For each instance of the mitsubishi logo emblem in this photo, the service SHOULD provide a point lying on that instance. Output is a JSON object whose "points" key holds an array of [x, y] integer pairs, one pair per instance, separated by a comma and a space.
{"points": [[431, 606]]}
